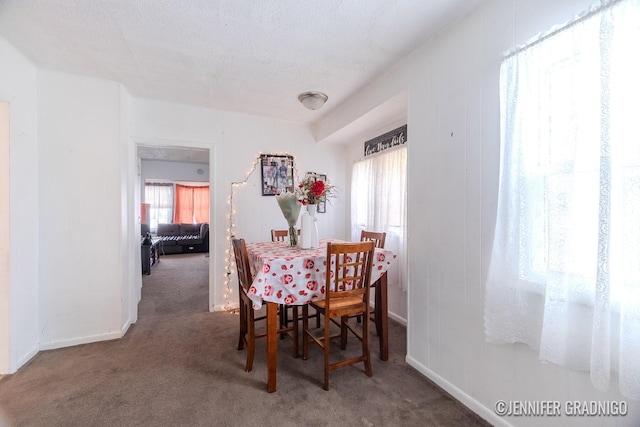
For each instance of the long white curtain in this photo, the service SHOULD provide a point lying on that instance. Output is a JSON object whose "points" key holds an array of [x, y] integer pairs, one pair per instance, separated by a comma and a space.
{"points": [[564, 275], [379, 203], [160, 198]]}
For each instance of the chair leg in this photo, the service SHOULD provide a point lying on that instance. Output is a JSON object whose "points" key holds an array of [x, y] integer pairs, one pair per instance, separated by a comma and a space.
{"points": [[251, 340], [343, 332], [326, 347], [365, 346], [243, 326], [305, 328], [317, 316], [295, 331], [378, 303], [282, 315]]}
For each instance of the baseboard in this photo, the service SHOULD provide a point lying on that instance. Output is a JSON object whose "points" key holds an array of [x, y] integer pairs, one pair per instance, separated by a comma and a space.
{"points": [[67, 343], [460, 395], [398, 319], [24, 360], [226, 307], [125, 328], [80, 340]]}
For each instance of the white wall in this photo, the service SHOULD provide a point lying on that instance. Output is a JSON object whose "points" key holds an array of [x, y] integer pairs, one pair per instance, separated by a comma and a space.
{"points": [[74, 258], [174, 171], [130, 257], [19, 289], [5, 241], [453, 128], [80, 208], [235, 141]]}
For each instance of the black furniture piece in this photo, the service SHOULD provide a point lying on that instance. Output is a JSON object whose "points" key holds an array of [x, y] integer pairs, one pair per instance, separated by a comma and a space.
{"points": [[150, 254], [184, 238]]}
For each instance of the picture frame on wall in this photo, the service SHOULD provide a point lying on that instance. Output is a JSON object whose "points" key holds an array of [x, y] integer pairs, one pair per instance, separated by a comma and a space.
{"points": [[322, 204], [277, 174]]}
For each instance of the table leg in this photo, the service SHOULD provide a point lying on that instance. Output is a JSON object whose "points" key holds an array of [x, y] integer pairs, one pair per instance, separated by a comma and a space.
{"points": [[382, 316], [377, 303], [272, 344]]}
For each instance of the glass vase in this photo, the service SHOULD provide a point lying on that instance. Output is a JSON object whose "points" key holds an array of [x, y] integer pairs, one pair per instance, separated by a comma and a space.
{"points": [[293, 236]]}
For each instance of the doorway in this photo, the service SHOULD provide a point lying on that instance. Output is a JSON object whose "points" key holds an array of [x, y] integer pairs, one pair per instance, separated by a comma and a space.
{"points": [[172, 165]]}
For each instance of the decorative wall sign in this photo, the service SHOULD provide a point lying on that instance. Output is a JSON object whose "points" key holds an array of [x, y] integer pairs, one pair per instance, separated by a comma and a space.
{"points": [[387, 141], [277, 174]]}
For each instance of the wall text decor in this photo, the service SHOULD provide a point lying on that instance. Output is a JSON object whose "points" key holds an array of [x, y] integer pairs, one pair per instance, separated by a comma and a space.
{"points": [[387, 141]]}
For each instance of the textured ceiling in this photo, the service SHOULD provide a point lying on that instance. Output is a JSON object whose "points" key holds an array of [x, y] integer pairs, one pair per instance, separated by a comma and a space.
{"points": [[245, 56]]}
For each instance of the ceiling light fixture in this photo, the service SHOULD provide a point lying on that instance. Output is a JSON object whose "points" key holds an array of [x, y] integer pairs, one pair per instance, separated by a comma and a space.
{"points": [[313, 100]]}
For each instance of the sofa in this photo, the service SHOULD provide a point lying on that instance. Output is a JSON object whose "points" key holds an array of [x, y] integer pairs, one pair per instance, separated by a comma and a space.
{"points": [[183, 238]]}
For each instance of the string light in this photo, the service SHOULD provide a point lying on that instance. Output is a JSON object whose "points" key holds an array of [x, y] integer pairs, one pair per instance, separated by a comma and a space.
{"points": [[230, 260]]}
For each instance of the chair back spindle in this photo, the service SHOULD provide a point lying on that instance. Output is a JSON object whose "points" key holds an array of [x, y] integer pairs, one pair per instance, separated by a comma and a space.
{"points": [[280, 235], [378, 238]]}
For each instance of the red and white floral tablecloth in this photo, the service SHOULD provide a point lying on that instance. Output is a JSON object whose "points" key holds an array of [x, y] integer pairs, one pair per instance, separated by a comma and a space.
{"points": [[294, 276]]}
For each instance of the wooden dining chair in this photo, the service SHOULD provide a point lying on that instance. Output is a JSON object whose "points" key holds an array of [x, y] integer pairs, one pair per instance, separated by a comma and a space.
{"points": [[347, 285], [281, 236], [378, 239], [248, 319]]}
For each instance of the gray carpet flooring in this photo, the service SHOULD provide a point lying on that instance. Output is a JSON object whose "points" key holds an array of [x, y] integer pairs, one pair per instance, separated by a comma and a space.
{"points": [[179, 366]]}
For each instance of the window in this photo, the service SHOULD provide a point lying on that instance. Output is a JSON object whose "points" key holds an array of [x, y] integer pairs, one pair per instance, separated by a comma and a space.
{"points": [[379, 203], [160, 198], [564, 275], [192, 204]]}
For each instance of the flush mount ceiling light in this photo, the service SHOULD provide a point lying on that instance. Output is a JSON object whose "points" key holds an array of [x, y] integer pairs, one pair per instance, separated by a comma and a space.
{"points": [[313, 100]]}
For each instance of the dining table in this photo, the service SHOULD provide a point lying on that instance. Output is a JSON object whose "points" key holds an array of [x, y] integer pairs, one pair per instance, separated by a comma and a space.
{"points": [[290, 275]]}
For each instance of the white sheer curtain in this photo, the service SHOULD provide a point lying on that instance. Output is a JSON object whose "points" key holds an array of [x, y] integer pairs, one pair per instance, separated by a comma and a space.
{"points": [[160, 198], [379, 203], [564, 275]]}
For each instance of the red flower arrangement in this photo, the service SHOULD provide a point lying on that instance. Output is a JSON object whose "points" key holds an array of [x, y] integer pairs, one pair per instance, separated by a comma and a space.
{"points": [[312, 190]]}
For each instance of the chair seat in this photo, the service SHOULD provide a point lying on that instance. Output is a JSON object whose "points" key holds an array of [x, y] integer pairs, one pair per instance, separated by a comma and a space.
{"points": [[341, 307]]}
